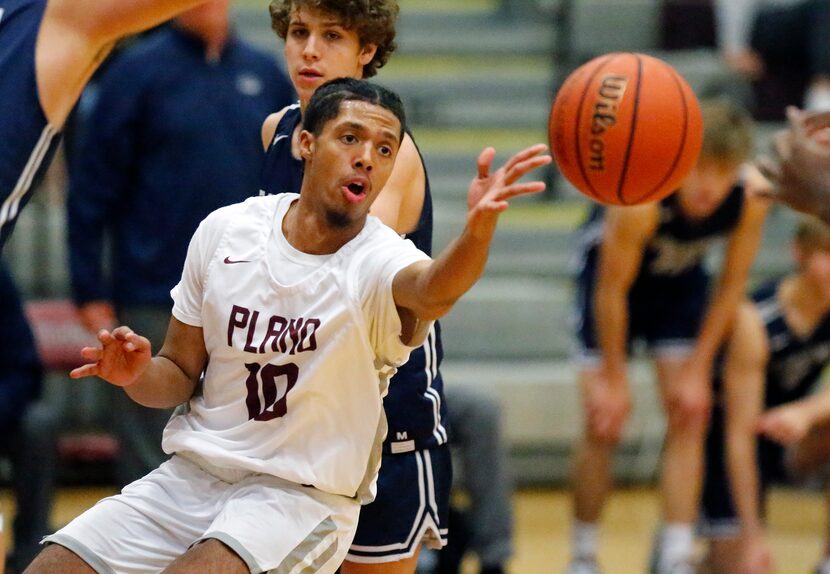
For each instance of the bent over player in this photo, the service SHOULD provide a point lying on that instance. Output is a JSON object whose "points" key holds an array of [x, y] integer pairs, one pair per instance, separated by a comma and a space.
{"points": [[773, 361], [642, 276], [297, 308]]}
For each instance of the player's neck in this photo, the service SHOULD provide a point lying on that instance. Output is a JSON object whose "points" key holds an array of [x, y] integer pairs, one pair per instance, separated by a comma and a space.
{"points": [[308, 229]]}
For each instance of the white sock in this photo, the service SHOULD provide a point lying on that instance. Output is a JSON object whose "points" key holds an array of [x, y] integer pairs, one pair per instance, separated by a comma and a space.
{"points": [[824, 566], [676, 544], [584, 539]]}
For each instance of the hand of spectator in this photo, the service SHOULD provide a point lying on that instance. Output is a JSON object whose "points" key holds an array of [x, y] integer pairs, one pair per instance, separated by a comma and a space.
{"points": [[607, 403], [120, 360], [786, 425], [97, 315], [488, 194], [746, 63], [756, 556], [799, 164]]}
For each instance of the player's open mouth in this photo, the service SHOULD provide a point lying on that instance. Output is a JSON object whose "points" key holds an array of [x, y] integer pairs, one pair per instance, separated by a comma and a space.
{"points": [[355, 190]]}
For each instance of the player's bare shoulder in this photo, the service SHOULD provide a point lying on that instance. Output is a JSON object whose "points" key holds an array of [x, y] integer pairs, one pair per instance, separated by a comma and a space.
{"points": [[269, 126]]}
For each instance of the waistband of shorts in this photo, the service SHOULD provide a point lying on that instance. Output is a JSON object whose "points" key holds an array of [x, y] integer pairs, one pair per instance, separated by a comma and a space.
{"points": [[229, 475]]}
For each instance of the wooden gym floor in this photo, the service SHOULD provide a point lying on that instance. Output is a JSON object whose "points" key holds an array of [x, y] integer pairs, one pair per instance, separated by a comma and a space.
{"points": [[541, 536]]}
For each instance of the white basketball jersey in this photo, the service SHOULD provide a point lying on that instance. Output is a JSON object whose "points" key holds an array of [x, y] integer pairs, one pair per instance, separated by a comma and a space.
{"points": [[296, 373]]}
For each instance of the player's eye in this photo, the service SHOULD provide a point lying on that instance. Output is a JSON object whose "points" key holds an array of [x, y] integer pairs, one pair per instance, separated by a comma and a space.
{"points": [[348, 138], [299, 32], [333, 36], [385, 151]]}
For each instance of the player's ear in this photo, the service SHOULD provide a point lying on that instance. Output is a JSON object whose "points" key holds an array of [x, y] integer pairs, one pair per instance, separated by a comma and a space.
{"points": [[367, 52], [306, 144]]}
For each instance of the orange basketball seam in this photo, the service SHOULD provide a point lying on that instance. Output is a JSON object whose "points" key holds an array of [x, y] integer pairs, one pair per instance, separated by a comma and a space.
{"points": [[683, 134], [633, 123]]}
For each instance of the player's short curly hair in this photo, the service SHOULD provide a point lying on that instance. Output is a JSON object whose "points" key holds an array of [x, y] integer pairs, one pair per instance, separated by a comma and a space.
{"points": [[373, 20]]}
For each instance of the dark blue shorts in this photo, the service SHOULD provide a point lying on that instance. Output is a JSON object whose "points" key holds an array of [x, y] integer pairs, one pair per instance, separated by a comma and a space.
{"points": [[664, 311], [718, 517], [411, 507]]}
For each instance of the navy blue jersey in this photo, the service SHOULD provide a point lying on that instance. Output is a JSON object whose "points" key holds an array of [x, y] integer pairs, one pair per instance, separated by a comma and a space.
{"points": [[415, 408], [27, 141], [679, 244], [795, 362]]}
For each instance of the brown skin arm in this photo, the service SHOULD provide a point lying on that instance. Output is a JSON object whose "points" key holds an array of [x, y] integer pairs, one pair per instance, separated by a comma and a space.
{"points": [[124, 359]]}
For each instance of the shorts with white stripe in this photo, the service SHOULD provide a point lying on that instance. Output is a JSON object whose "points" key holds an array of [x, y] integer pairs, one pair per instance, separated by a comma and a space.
{"points": [[273, 525], [411, 507]]}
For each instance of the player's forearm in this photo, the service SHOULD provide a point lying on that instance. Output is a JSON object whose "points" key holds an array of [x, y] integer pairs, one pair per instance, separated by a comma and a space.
{"points": [[162, 385], [451, 275], [611, 316], [742, 465], [816, 408], [717, 321]]}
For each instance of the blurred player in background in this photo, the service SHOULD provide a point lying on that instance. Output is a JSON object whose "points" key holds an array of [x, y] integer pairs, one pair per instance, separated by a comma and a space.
{"points": [[642, 276], [48, 51], [774, 358]]}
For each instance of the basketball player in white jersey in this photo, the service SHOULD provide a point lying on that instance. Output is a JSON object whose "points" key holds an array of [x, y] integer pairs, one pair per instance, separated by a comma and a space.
{"points": [[297, 309]]}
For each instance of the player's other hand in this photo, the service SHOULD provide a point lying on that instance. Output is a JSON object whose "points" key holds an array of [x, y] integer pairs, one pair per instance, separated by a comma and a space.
{"points": [[756, 556], [120, 359], [798, 164], [490, 192], [97, 315], [786, 424], [607, 402]]}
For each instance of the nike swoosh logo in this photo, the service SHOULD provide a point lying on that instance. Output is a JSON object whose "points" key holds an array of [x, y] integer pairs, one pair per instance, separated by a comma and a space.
{"points": [[278, 138], [229, 261]]}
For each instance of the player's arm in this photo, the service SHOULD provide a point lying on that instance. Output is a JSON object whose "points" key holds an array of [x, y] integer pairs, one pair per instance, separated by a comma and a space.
{"points": [[744, 374], [76, 35], [164, 381], [427, 290], [740, 253], [627, 230], [400, 202], [269, 127], [788, 424]]}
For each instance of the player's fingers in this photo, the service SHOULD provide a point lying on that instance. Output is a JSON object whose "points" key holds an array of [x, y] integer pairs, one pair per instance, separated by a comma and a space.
{"points": [[524, 154], [517, 189], [769, 168], [90, 370], [811, 122], [136, 342], [121, 332], [92, 353], [524, 167], [485, 160]]}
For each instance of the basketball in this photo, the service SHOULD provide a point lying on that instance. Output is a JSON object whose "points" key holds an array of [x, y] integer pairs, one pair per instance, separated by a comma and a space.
{"points": [[625, 128]]}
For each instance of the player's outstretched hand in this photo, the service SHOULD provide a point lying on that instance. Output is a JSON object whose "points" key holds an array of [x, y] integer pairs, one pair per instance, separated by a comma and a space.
{"points": [[490, 192], [119, 360], [799, 164], [785, 425]]}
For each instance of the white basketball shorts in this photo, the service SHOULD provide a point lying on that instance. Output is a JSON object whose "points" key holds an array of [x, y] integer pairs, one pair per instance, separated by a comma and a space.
{"points": [[273, 525]]}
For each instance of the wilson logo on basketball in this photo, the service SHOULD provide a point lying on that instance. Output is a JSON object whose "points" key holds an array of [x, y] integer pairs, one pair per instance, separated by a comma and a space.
{"points": [[609, 95]]}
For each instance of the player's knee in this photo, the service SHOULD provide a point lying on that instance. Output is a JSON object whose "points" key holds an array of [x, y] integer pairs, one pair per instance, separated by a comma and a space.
{"points": [[604, 435], [690, 412], [56, 558]]}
